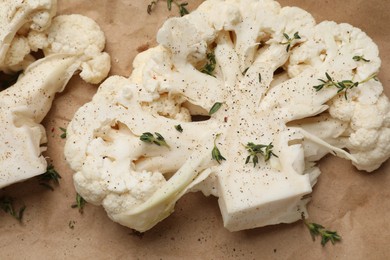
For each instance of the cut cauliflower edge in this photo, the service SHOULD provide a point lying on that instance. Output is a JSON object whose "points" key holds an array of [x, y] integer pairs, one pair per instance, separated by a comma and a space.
{"points": [[138, 183], [25, 104]]}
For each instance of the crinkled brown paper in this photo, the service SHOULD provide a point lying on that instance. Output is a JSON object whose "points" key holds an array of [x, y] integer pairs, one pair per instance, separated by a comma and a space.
{"points": [[354, 203]]}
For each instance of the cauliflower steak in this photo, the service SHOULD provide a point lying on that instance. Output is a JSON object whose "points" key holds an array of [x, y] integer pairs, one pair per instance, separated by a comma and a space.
{"points": [[242, 79]]}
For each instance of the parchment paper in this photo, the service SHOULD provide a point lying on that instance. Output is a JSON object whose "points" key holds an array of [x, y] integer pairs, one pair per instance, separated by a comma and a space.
{"points": [[354, 203]]}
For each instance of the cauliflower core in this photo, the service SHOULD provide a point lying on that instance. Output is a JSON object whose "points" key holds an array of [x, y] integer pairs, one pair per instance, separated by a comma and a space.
{"points": [[260, 62], [24, 105]]}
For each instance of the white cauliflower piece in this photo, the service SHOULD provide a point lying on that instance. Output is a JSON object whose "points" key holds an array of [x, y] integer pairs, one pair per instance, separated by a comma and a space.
{"points": [[128, 177], [79, 35], [225, 52], [17, 19], [25, 104], [363, 112]]}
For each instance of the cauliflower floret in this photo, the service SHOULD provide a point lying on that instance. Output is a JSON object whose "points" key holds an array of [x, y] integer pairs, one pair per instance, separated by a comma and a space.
{"points": [[170, 107], [17, 56], [64, 36], [369, 140], [370, 159], [17, 20]]}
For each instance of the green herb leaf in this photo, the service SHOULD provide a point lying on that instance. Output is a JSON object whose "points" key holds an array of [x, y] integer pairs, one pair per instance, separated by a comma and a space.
{"points": [[290, 40], [259, 78], [326, 235], [255, 149], [80, 203], [63, 135], [210, 65], [182, 9], [360, 58], [6, 204], [169, 4], [215, 153], [179, 128], [342, 86], [50, 175], [159, 140], [182, 6], [215, 108]]}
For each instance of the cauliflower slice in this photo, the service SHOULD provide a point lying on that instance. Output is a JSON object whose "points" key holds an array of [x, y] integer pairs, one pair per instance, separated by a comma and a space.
{"points": [[25, 104], [250, 41], [17, 20]]}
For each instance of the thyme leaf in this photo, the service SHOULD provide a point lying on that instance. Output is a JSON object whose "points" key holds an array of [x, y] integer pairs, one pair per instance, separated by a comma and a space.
{"points": [[360, 58], [210, 65], [6, 204], [80, 203], [182, 9], [63, 135], [326, 235], [215, 108], [290, 40], [342, 86], [159, 140], [215, 153], [179, 128], [258, 149], [50, 175], [182, 6]]}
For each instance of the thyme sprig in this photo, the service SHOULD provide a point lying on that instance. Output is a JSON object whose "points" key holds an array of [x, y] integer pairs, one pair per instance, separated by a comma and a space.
{"points": [[50, 175], [360, 58], [258, 149], [290, 40], [326, 235], [209, 67], [342, 86], [215, 153], [6, 204], [80, 203], [159, 140], [182, 6]]}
